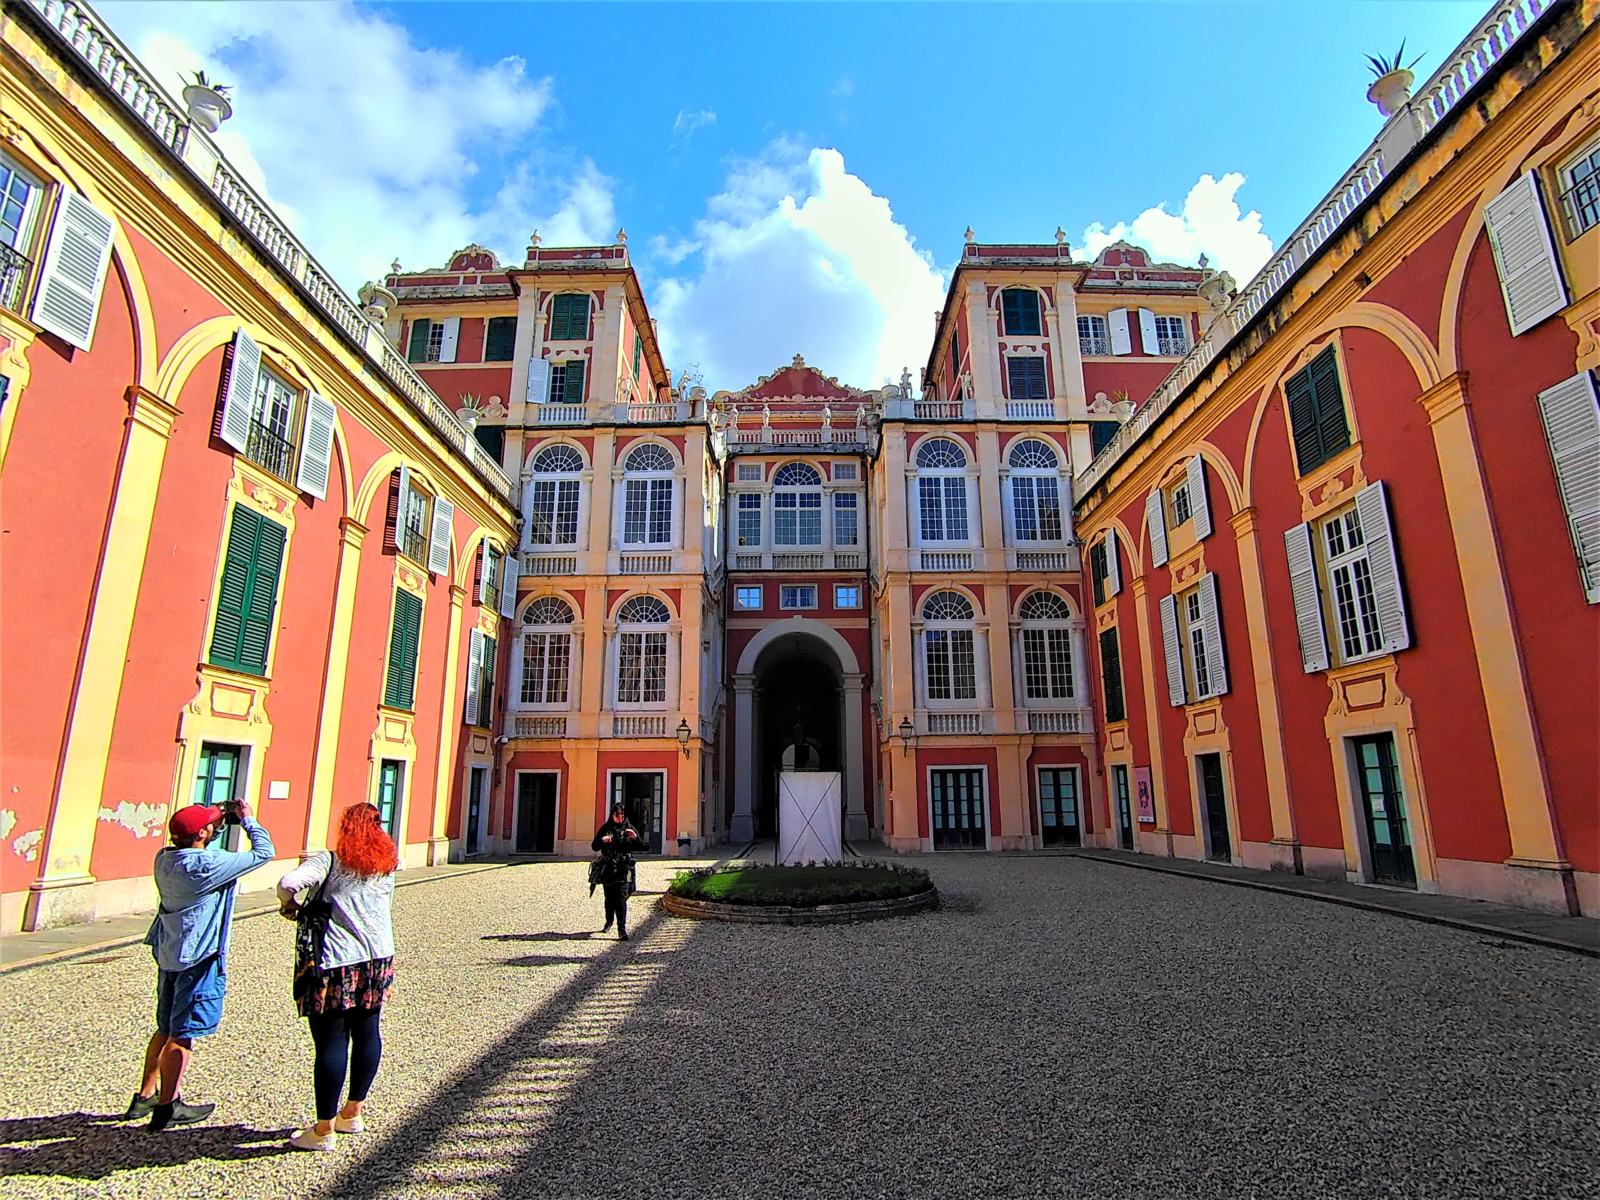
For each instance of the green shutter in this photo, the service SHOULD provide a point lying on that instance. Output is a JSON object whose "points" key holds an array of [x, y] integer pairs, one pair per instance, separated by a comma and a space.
{"points": [[569, 317], [1020, 309], [247, 599], [400, 686], [500, 339], [1111, 674], [572, 382], [1302, 398], [638, 348], [486, 688], [1332, 429], [419, 341]]}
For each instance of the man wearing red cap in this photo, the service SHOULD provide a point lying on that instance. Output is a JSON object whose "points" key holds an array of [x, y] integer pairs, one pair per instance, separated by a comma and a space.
{"points": [[189, 939]]}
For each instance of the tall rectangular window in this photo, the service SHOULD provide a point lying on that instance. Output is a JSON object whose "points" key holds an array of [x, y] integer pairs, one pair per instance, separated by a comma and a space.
{"points": [[1195, 642], [391, 781], [566, 382], [942, 504], [846, 522], [647, 512], [553, 512], [569, 317], [1316, 412], [499, 339], [1093, 336], [797, 518], [1019, 309], [1172, 335], [405, 629], [1035, 508], [546, 661], [1026, 374], [642, 668], [749, 519], [1355, 606], [951, 664], [247, 598], [1580, 190], [1111, 675]]}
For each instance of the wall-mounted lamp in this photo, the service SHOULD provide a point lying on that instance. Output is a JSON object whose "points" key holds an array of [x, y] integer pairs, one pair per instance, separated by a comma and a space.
{"points": [[683, 735], [906, 730]]}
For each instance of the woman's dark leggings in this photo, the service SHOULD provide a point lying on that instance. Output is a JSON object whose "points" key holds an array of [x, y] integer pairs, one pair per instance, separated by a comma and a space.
{"points": [[351, 1034], [617, 904]]}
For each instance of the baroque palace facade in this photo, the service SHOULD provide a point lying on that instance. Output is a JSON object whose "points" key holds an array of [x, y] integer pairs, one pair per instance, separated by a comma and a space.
{"points": [[1302, 575]]}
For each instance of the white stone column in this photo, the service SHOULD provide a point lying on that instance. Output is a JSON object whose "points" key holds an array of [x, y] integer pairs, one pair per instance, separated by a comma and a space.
{"points": [[856, 827], [742, 828]]}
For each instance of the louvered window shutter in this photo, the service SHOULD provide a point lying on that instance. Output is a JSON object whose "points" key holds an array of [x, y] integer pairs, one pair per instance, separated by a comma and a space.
{"points": [[316, 454], [1147, 331], [234, 593], [1117, 325], [417, 348], [486, 689], [474, 679], [444, 515], [258, 618], [1304, 587], [480, 572], [1199, 505], [1111, 675], [1156, 518], [1302, 401], [1333, 431], [1211, 634], [1097, 571], [394, 515], [239, 393], [1372, 504], [73, 275], [1524, 254], [401, 682], [1571, 414], [539, 382], [1172, 648], [572, 388], [451, 340], [511, 572], [1113, 567]]}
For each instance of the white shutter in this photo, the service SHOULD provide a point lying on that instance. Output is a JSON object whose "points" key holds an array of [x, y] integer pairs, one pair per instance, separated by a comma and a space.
{"points": [[1117, 324], [1155, 515], [397, 538], [1211, 634], [444, 515], [483, 571], [316, 450], [1571, 413], [538, 380], [474, 678], [1524, 254], [510, 572], [74, 272], [1173, 649], [1199, 506], [452, 338], [239, 396], [1113, 569], [527, 514], [1372, 505], [1147, 331], [1307, 600]]}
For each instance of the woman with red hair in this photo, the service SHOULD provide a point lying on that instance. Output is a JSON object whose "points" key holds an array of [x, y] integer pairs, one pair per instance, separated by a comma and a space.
{"points": [[341, 990]]}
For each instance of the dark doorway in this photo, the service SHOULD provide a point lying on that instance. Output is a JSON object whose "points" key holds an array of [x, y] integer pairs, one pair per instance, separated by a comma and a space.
{"points": [[391, 785], [798, 712], [1119, 780], [477, 785], [1383, 810], [536, 812], [1058, 807], [644, 794], [956, 798], [1219, 847]]}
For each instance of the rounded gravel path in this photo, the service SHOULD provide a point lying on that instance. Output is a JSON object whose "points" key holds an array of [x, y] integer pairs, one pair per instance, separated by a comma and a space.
{"points": [[1059, 1028]]}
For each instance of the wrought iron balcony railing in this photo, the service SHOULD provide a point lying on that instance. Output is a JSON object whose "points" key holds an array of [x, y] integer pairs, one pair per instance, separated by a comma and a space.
{"points": [[15, 268], [267, 448]]}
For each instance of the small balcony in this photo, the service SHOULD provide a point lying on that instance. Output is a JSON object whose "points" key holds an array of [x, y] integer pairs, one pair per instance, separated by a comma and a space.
{"points": [[537, 725], [1064, 720], [930, 410], [268, 448], [1174, 347], [548, 562], [1094, 345], [797, 560], [1061, 560], [15, 270], [413, 543]]}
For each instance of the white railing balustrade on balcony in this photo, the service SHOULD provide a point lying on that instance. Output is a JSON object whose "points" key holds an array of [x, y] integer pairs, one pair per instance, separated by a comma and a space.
{"points": [[534, 563], [944, 560], [631, 725], [524, 725], [954, 722], [1071, 720]]}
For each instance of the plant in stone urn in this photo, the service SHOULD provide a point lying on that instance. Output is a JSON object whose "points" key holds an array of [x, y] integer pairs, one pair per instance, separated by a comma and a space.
{"points": [[1391, 88], [207, 102], [470, 412]]}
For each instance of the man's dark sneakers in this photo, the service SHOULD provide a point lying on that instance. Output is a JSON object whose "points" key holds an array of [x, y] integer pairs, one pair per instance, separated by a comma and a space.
{"points": [[606, 928], [178, 1113], [622, 935], [139, 1107]]}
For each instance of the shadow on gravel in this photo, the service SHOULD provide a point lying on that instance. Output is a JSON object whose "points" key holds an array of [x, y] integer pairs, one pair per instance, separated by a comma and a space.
{"points": [[545, 960], [539, 937], [86, 1146]]}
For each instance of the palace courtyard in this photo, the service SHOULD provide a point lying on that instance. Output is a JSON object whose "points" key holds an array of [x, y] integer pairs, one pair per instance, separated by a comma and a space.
{"points": [[1060, 1027]]}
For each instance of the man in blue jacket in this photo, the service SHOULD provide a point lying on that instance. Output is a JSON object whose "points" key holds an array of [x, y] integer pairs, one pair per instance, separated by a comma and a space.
{"points": [[189, 939]]}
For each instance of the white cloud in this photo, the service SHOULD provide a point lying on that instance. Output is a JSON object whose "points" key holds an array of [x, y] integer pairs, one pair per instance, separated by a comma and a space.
{"points": [[1209, 223], [797, 254], [687, 123], [369, 144]]}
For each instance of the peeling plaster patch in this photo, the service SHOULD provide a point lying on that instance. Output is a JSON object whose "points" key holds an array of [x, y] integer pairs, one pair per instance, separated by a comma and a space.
{"points": [[141, 820], [8, 822], [27, 846]]}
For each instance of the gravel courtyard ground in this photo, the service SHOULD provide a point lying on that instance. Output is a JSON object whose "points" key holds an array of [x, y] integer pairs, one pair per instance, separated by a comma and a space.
{"points": [[1059, 1028]]}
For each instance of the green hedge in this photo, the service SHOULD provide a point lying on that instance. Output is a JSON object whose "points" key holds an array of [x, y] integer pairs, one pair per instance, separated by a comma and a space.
{"points": [[801, 886]]}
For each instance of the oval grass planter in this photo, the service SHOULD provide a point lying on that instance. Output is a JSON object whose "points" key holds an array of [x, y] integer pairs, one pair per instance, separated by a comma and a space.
{"points": [[790, 914]]}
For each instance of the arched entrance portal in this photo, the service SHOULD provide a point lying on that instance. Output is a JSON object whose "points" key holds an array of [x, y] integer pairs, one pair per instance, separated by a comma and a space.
{"points": [[797, 706]]}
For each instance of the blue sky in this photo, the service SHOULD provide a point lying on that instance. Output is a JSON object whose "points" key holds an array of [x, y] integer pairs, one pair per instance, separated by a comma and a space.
{"points": [[793, 177]]}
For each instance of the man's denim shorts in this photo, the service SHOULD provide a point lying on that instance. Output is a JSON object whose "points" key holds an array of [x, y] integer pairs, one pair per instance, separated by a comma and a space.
{"points": [[189, 1002]]}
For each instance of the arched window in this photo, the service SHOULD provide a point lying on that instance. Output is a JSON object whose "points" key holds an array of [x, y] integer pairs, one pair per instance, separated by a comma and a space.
{"points": [[942, 491], [642, 651], [1035, 491], [949, 665], [797, 505], [546, 653], [551, 507], [647, 496], [1046, 647]]}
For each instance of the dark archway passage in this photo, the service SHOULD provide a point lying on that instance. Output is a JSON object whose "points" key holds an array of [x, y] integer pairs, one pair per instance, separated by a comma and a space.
{"points": [[797, 704]]}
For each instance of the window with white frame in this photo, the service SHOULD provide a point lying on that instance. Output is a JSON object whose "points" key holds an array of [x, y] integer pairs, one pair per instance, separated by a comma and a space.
{"points": [[553, 496], [748, 598], [747, 527], [797, 506], [941, 491], [19, 197], [749, 473], [846, 519], [1191, 640], [948, 656], [272, 415], [546, 660], [844, 470], [1093, 335], [1580, 190], [642, 651], [1046, 648], [1351, 596], [647, 496], [1194, 642], [1172, 335], [1182, 505], [1035, 491], [846, 595], [566, 381], [797, 595]]}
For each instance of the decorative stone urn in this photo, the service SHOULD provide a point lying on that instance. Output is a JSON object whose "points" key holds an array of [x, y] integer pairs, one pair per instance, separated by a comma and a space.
{"points": [[1392, 91], [208, 108]]}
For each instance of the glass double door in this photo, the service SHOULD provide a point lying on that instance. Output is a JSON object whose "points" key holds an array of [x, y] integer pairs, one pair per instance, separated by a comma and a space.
{"points": [[956, 798], [1058, 807], [643, 793], [1383, 811], [1119, 779]]}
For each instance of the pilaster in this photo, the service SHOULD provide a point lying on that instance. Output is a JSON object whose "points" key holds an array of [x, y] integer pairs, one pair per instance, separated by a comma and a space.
{"points": [[1153, 692], [351, 536], [449, 729]]}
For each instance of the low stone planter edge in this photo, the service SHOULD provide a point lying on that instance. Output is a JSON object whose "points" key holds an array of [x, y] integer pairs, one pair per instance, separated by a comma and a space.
{"points": [[785, 914]]}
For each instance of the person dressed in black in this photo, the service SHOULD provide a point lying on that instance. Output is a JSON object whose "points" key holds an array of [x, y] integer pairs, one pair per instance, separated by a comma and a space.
{"points": [[616, 841]]}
